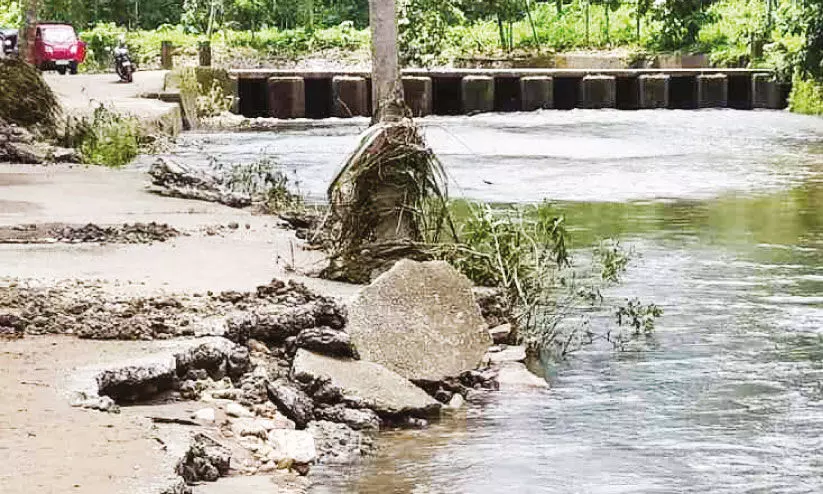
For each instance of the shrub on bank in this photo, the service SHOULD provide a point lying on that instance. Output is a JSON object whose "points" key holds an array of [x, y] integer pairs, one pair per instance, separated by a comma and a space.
{"points": [[806, 96], [107, 138]]}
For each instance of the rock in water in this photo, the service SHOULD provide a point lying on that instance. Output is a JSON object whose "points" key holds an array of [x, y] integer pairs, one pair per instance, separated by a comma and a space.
{"points": [[515, 376], [292, 445], [368, 384], [420, 320], [338, 444], [508, 354]]}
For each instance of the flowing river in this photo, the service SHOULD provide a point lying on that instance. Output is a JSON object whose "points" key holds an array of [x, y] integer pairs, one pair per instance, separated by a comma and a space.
{"points": [[725, 211]]}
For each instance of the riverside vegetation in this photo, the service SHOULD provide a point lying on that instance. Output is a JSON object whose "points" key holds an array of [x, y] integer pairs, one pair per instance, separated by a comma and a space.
{"points": [[442, 31], [781, 34]]}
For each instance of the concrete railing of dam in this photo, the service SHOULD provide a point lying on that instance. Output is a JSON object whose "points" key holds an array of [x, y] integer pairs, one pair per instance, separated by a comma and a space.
{"points": [[322, 94]]}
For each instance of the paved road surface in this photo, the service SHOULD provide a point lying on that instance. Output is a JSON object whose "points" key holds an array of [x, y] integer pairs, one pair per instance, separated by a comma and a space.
{"points": [[82, 93]]}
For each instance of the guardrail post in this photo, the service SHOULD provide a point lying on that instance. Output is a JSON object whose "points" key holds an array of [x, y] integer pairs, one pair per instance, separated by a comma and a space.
{"points": [[204, 53], [166, 60]]}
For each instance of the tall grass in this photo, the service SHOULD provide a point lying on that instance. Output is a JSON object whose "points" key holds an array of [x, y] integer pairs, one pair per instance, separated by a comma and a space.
{"points": [[525, 251]]}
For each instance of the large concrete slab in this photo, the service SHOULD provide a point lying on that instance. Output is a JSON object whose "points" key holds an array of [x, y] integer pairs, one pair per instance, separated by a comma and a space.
{"points": [[380, 389], [234, 260], [419, 320]]}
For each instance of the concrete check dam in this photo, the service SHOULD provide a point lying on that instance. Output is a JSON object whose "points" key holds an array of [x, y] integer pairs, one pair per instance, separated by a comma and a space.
{"points": [[322, 94]]}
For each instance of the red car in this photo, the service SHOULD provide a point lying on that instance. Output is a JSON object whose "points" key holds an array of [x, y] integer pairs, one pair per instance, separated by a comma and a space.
{"points": [[56, 47]]}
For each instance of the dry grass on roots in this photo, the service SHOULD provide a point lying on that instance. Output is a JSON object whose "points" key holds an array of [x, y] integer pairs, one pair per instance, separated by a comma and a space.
{"points": [[25, 98], [387, 202]]}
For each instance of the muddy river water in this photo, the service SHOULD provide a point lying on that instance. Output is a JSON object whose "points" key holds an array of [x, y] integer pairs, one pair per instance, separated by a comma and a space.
{"points": [[725, 209]]}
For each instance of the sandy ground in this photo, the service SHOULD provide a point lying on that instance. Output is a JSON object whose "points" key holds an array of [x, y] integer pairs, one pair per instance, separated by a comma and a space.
{"points": [[49, 447]]}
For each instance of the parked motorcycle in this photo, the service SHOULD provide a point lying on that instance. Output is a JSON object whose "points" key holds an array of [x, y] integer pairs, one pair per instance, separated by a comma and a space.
{"points": [[123, 64]]}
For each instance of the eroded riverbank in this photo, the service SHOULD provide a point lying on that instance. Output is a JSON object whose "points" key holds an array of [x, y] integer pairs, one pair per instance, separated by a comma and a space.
{"points": [[725, 213], [724, 210]]}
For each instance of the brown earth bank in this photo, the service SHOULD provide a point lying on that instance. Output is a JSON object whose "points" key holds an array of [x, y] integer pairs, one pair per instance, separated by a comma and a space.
{"points": [[239, 363]]}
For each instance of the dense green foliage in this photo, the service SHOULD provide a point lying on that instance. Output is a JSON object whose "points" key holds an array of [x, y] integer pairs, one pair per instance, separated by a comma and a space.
{"points": [[806, 96], [438, 31], [786, 35]]}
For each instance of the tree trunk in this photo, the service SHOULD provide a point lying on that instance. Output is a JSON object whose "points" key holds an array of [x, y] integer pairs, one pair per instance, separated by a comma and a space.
{"points": [[387, 87], [27, 33]]}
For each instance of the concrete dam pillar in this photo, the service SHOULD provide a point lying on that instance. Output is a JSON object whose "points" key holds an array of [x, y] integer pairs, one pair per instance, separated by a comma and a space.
{"points": [[536, 93], [598, 91], [765, 92], [287, 97], [653, 91], [350, 97], [419, 96], [477, 93], [712, 91]]}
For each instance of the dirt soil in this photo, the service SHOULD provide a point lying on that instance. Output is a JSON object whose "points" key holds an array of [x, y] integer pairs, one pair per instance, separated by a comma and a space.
{"points": [[49, 447]]}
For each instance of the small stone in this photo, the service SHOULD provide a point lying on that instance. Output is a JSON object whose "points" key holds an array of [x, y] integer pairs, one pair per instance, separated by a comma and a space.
{"points": [[245, 426], [294, 403], [326, 341], [295, 445], [363, 419], [233, 225], [258, 346], [515, 375], [508, 354], [226, 394], [237, 410], [456, 402], [500, 334], [205, 415]]}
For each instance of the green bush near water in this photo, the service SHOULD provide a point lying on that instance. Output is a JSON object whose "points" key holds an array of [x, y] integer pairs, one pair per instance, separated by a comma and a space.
{"points": [[806, 96], [525, 250]]}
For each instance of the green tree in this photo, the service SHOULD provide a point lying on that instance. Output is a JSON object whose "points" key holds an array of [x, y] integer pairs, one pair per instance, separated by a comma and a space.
{"points": [[681, 22], [813, 51], [423, 29]]}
